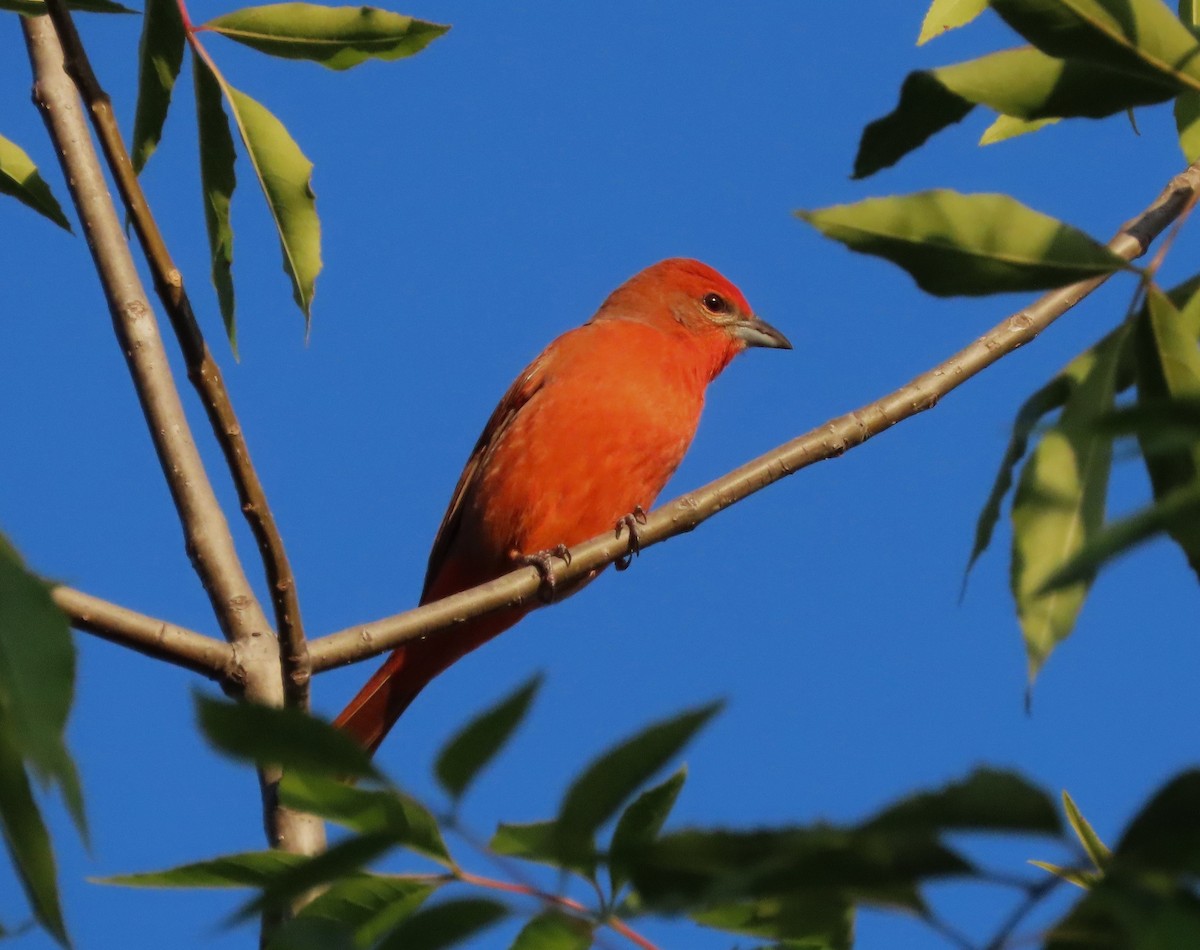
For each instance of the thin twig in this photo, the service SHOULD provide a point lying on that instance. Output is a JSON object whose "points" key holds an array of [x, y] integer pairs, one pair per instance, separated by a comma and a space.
{"points": [[828, 441], [1034, 896], [208, 541], [202, 369], [155, 638]]}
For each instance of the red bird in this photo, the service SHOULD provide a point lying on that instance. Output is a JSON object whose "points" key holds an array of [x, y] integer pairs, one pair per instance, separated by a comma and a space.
{"points": [[589, 433]]}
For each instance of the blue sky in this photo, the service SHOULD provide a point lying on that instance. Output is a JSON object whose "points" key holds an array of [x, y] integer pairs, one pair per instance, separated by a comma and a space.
{"points": [[477, 201]]}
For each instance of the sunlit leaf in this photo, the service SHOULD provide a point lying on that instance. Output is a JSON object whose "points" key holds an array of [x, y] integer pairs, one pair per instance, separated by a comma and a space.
{"points": [[217, 182], [1140, 37], [1084, 879], [20, 178], [554, 930], [1059, 503], [337, 37], [946, 15], [249, 869], [1187, 122], [473, 747], [444, 925], [160, 54], [1007, 127], [286, 737], [639, 824], [955, 244], [1096, 849]]}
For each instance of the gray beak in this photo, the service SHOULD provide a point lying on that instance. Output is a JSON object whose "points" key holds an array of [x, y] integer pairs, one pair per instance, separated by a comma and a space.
{"points": [[756, 332]]}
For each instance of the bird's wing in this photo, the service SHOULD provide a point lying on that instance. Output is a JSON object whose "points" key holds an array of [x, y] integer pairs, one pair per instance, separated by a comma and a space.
{"points": [[518, 395]]}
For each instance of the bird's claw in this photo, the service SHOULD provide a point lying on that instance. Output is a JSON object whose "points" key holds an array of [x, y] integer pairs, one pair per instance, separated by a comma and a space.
{"points": [[543, 562], [631, 522]]}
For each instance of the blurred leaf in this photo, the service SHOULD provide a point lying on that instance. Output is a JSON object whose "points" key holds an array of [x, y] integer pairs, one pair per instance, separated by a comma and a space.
{"points": [[473, 747], [987, 800], [1165, 834], [967, 244], [1189, 13], [1129, 913], [1084, 879], [1059, 503], [1023, 83], [390, 811], [285, 737], [554, 930], [1187, 122], [1168, 368], [28, 841], [1141, 37], [37, 679], [160, 54], [370, 904], [443, 925], [944, 15], [808, 922], [1007, 127], [249, 869], [337, 37], [285, 176], [312, 933], [1096, 849], [20, 178], [640, 823], [38, 8], [545, 843], [217, 182]]}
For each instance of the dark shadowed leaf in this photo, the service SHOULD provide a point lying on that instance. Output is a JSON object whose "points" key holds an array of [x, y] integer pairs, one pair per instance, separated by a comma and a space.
{"points": [[249, 869], [38, 8], [313, 933], [1140, 37], [1187, 123], [473, 747], [1165, 834], [954, 244], [217, 183], [1127, 912], [28, 841], [444, 925], [388, 811], [1096, 849], [20, 178], [545, 843], [987, 800], [337, 37], [285, 737], [160, 54], [806, 922], [640, 823], [1022, 83], [554, 930], [946, 15], [369, 904], [1059, 503]]}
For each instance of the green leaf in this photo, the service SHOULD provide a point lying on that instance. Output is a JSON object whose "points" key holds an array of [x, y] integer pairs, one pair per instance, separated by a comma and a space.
{"points": [[1165, 835], [285, 176], [217, 182], [337, 37], [640, 823], [473, 747], [1007, 127], [27, 839], [944, 15], [312, 933], [160, 54], [20, 178], [1187, 122], [38, 8], [545, 843], [389, 811], [1189, 13], [967, 244], [284, 737], [1096, 849], [599, 791], [370, 904], [987, 800], [1129, 912], [444, 925], [1023, 83], [806, 922], [554, 930], [1059, 503], [1141, 37], [1168, 368], [1084, 879], [37, 679], [248, 869]]}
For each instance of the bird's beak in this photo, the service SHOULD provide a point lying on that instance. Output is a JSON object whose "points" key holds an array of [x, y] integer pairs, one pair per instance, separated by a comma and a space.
{"points": [[756, 332]]}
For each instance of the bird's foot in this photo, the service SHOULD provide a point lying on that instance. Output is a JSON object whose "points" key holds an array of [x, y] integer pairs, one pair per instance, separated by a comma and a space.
{"points": [[544, 562], [631, 522]]}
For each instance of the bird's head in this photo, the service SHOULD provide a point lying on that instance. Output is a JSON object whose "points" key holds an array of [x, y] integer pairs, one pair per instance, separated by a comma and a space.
{"points": [[681, 294]]}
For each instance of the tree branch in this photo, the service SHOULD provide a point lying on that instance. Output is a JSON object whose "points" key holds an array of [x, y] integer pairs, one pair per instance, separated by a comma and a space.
{"points": [[208, 541], [202, 369], [148, 635], [831, 440]]}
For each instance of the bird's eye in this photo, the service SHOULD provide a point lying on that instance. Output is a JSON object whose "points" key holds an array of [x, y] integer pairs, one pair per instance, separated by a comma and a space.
{"points": [[715, 303]]}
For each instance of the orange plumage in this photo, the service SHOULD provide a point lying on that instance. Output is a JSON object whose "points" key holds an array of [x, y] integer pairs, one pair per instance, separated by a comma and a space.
{"points": [[591, 430]]}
